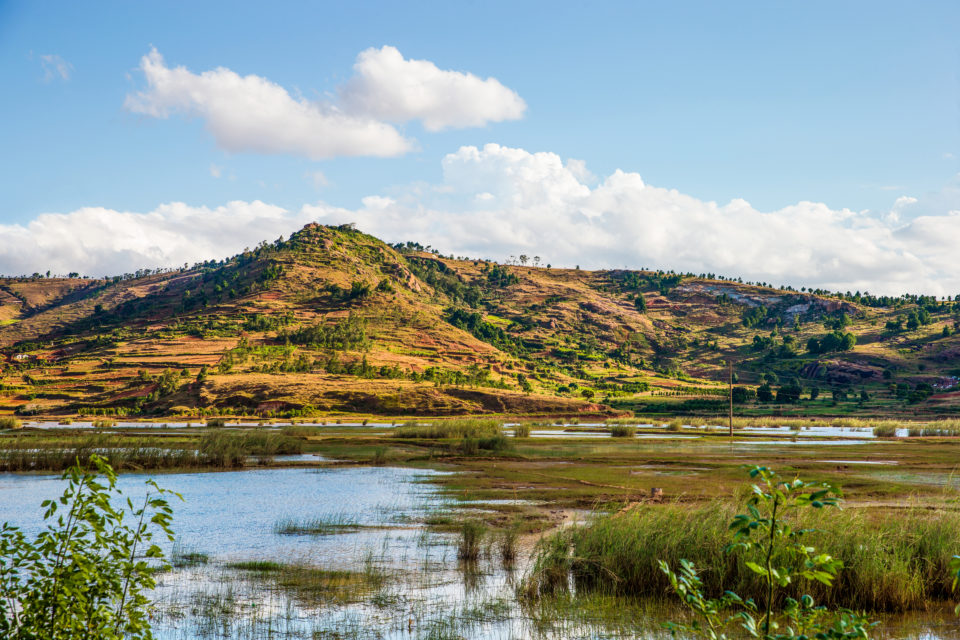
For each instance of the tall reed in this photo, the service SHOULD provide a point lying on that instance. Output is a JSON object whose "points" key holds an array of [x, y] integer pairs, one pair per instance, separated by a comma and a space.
{"points": [[450, 429], [892, 562]]}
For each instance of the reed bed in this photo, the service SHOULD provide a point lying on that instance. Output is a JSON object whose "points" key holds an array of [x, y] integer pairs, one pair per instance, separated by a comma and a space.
{"points": [[622, 431], [316, 586], [521, 431], [223, 450], [9, 422], [892, 561], [675, 425], [449, 429]]}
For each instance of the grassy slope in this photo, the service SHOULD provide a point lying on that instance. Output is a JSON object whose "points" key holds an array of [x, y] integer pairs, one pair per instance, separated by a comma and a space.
{"points": [[565, 331]]}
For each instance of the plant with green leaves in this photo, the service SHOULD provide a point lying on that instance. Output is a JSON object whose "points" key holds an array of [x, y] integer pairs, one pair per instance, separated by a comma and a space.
{"points": [[778, 554], [87, 574]]}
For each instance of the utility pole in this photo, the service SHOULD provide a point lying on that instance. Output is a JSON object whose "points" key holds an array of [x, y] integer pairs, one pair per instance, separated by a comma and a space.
{"points": [[731, 397]]}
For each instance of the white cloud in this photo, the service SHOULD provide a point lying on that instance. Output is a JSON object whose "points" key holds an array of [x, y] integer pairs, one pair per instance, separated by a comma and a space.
{"points": [[498, 201], [386, 86], [251, 113], [215, 171], [55, 67], [97, 241]]}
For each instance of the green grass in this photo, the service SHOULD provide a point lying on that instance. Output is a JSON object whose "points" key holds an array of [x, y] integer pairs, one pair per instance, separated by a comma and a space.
{"points": [[340, 523], [450, 429], [56, 452], [893, 561], [259, 566], [472, 534]]}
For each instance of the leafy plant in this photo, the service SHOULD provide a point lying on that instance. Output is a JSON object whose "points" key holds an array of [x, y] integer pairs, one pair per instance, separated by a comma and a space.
{"points": [[778, 553], [86, 574]]}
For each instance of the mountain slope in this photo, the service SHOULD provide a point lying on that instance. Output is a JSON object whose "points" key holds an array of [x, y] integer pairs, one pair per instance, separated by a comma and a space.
{"points": [[334, 320]]}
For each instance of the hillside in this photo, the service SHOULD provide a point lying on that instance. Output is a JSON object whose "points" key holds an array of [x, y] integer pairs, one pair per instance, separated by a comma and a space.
{"points": [[335, 321]]}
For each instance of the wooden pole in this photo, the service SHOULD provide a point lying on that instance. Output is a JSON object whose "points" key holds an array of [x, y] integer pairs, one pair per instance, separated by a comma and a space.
{"points": [[731, 399]]}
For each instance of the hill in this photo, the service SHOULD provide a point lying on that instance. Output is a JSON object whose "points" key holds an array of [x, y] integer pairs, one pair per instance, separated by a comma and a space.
{"points": [[336, 321]]}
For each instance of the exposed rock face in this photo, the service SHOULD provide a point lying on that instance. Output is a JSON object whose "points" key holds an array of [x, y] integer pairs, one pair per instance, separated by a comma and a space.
{"points": [[841, 372]]}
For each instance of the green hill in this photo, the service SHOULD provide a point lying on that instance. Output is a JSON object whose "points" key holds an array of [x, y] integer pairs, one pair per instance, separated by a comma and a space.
{"points": [[335, 321]]}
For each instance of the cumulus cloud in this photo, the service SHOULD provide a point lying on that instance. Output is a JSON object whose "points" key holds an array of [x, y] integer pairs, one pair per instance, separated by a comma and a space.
{"points": [[55, 67], [386, 86], [96, 241], [498, 201], [251, 113]]}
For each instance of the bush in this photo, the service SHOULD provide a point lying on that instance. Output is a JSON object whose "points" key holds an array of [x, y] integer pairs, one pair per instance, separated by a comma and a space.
{"points": [[87, 574]]}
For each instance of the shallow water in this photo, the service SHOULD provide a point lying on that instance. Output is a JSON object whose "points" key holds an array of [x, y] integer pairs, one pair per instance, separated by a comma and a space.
{"points": [[230, 516]]}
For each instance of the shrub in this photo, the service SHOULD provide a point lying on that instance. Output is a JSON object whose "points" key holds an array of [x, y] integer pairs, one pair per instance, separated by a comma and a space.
{"points": [[58, 586]]}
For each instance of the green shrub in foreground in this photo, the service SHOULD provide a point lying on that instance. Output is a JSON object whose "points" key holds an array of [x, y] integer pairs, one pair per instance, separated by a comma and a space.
{"points": [[86, 575]]}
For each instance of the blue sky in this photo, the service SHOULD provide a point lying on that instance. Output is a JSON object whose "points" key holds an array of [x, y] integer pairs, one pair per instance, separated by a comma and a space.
{"points": [[852, 105]]}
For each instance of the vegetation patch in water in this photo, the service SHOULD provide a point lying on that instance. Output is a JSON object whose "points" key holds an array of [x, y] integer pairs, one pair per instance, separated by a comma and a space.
{"points": [[893, 560], [450, 429], [329, 526]]}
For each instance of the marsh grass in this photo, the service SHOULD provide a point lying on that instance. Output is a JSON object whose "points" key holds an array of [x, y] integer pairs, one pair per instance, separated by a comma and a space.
{"points": [[259, 566], [9, 422], [622, 431], [219, 450], [181, 557], [328, 526], [470, 543], [450, 429], [675, 425], [470, 446], [381, 455], [299, 431], [507, 545], [232, 449], [521, 431], [892, 561], [315, 585]]}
